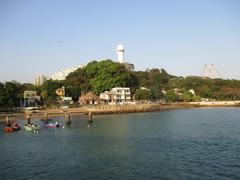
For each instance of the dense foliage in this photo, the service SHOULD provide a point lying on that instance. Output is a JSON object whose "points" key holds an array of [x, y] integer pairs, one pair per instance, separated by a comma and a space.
{"points": [[12, 92], [143, 94], [100, 76], [218, 89]]}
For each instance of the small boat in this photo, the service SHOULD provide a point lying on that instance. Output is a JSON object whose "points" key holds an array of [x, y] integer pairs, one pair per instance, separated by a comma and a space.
{"points": [[51, 125], [31, 127], [13, 127], [8, 129], [16, 126]]}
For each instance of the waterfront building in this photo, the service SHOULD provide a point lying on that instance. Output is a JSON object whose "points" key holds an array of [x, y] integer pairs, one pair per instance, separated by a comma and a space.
{"points": [[120, 57], [117, 95], [61, 75], [89, 98], [39, 80], [68, 100], [30, 98]]}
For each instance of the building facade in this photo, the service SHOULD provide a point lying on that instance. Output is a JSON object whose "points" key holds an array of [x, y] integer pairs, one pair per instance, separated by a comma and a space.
{"points": [[117, 95], [30, 98]]}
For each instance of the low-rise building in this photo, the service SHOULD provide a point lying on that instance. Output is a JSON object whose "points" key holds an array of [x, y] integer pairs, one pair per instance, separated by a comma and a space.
{"points": [[68, 100], [117, 95], [88, 98], [30, 98]]}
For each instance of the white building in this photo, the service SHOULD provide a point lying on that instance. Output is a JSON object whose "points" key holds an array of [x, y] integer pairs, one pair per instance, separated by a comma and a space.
{"points": [[117, 95], [39, 80], [67, 100], [30, 98], [61, 75]]}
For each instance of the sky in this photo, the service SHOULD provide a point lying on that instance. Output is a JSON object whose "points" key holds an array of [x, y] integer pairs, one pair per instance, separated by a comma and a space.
{"points": [[47, 36]]}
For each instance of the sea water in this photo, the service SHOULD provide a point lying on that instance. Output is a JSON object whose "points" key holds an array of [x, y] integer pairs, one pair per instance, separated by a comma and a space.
{"points": [[201, 143]]}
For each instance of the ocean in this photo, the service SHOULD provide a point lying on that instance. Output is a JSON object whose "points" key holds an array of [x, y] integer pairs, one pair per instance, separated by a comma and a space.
{"points": [[195, 143]]}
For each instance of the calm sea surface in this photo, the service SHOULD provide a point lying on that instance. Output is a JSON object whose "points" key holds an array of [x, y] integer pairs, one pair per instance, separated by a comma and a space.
{"points": [[199, 143]]}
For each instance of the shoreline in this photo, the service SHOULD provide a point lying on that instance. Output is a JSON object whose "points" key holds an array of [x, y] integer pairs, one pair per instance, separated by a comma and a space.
{"points": [[117, 109]]}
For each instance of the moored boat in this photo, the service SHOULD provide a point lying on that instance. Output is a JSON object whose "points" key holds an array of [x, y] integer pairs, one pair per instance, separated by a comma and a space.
{"points": [[51, 125], [31, 127], [8, 129], [16, 126]]}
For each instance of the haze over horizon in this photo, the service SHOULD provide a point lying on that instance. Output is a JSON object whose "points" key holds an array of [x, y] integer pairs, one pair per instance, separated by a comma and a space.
{"points": [[179, 36]]}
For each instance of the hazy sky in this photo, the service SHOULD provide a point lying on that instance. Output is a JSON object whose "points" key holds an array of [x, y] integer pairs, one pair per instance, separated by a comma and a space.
{"points": [[46, 36]]}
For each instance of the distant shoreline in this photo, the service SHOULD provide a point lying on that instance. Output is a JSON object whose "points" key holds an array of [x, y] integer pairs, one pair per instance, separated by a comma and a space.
{"points": [[118, 109]]}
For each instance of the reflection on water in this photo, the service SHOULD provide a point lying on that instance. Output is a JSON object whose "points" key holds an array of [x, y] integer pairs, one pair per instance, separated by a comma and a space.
{"points": [[177, 144]]}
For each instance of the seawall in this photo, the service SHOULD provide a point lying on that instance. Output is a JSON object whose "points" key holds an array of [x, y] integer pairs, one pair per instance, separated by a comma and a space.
{"points": [[116, 109]]}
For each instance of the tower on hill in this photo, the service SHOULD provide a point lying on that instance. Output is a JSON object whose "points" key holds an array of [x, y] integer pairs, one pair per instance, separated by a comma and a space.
{"points": [[120, 53], [120, 57]]}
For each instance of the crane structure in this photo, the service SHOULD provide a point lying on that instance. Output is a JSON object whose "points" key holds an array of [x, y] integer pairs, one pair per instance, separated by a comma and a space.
{"points": [[210, 71]]}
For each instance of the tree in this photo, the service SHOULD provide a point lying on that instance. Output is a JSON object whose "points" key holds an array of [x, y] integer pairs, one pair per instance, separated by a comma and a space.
{"points": [[153, 79], [99, 77], [143, 94], [142, 78], [171, 96], [108, 75], [187, 96], [48, 90], [2, 95]]}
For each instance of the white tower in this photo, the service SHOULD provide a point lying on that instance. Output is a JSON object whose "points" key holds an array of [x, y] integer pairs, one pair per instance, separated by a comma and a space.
{"points": [[120, 53]]}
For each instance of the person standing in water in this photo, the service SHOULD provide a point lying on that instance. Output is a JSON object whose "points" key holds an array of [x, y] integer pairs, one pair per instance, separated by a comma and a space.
{"points": [[46, 117], [68, 118], [90, 121], [28, 118], [8, 121]]}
